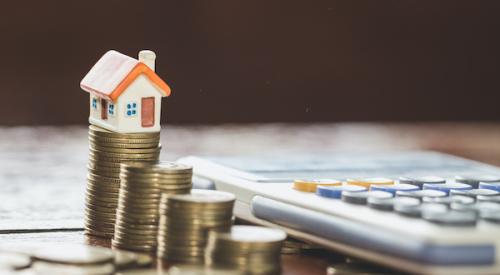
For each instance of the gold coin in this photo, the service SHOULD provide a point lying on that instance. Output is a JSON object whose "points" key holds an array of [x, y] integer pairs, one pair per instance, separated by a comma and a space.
{"points": [[103, 132], [162, 167], [203, 198], [125, 150]]}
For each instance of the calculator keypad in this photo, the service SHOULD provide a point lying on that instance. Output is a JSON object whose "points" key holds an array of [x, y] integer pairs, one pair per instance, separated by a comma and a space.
{"points": [[454, 203]]}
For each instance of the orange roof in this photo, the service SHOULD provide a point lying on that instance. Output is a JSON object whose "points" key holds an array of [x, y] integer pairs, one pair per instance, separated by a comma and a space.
{"points": [[114, 72]]}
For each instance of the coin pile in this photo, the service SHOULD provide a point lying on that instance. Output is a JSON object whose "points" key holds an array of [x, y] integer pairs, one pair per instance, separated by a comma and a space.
{"points": [[107, 151], [185, 221], [252, 249], [141, 186]]}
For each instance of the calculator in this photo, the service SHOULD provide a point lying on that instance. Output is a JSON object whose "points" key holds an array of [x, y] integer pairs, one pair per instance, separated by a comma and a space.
{"points": [[422, 212]]}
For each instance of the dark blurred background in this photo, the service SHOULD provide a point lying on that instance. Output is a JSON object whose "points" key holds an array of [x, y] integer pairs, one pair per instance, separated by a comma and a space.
{"points": [[260, 61]]}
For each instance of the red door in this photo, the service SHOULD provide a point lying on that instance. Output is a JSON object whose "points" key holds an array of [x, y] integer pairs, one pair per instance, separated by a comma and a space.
{"points": [[104, 109], [148, 112]]}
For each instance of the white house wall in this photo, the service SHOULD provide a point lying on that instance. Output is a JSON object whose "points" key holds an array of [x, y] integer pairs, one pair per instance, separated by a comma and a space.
{"points": [[95, 116], [141, 87]]}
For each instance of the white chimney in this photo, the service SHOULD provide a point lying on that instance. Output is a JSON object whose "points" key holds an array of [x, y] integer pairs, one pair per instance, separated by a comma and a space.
{"points": [[148, 57]]}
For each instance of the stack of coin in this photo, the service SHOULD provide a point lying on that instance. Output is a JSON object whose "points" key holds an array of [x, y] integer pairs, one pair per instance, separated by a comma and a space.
{"points": [[252, 249], [185, 221], [107, 151], [141, 186]]}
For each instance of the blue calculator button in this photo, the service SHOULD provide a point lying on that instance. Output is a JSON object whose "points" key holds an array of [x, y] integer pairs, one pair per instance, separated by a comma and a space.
{"points": [[490, 185], [335, 192], [447, 187], [476, 179], [394, 188]]}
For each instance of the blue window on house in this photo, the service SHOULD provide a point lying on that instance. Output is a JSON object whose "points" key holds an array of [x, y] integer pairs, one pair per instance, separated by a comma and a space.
{"points": [[131, 109], [94, 103], [111, 109]]}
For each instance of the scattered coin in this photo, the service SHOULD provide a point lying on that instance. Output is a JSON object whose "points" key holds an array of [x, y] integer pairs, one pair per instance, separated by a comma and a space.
{"points": [[45, 268], [77, 254], [14, 261]]}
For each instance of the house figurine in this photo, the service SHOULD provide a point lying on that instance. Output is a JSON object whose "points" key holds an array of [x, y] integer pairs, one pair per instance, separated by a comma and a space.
{"points": [[125, 93]]}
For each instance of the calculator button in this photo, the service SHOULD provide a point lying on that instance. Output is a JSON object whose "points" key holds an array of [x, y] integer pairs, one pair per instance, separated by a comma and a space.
{"points": [[490, 185], [451, 217], [310, 185], [490, 212], [475, 180], [367, 182], [407, 206], [477, 207], [394, 188], [362, 197], [384, 204], [419, 181], [447, 187], [495, 199], [490, 216], [335, 192], [421, 194], [433, 207], [474, 192], [449, 200]]}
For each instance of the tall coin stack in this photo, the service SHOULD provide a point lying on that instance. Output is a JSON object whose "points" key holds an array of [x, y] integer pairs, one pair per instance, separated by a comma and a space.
{"points": [[251, 249], [107, 151], [185, 221], [142, 184]]}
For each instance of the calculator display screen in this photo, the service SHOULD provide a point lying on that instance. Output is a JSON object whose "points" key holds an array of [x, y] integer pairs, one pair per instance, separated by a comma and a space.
{"points": [[344, 165]]}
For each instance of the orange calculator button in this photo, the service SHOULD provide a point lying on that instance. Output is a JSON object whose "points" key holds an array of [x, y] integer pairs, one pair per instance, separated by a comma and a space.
{"points": [[367, 182], [308, 185]]}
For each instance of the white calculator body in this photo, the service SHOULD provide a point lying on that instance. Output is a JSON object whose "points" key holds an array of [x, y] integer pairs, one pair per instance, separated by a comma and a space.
{"points": [[263, 187]]}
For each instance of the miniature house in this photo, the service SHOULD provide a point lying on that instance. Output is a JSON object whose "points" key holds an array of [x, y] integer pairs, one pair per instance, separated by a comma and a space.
{"points": [[125, 93]]}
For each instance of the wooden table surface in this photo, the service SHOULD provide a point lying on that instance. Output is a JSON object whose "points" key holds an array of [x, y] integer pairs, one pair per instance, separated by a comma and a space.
{"points": [[43, 168]]}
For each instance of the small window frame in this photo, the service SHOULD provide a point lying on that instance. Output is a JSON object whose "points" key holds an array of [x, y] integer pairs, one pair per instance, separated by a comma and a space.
{"points": [[111, 109], [131, 109], [94, 103]]}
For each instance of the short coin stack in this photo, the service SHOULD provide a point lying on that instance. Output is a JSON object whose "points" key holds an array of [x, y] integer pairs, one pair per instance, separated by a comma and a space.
{"points": [[252, 249], [142, 184], [185, 221], [107, 151]]}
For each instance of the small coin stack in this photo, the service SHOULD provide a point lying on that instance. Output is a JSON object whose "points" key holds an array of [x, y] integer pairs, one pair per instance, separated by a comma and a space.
{"points": [[107, 151], [142, 184], [185, 221], [252, 249]]}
